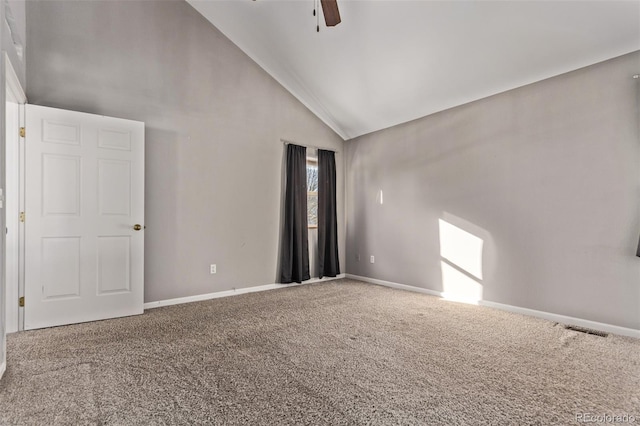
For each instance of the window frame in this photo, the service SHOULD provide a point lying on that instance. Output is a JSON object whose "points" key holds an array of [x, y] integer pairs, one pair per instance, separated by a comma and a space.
{"points": [[313, 162]]}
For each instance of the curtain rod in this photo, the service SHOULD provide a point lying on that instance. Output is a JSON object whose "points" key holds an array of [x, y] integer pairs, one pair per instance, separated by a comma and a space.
{"points": [[286, 142]]}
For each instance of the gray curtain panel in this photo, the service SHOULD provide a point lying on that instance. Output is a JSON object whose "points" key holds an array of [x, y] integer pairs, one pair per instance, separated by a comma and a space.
{"points": [[329, 265], [294, 258]]}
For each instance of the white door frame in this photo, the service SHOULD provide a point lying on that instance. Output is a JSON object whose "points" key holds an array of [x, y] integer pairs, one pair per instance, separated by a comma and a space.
{"points": [[15, 204]]}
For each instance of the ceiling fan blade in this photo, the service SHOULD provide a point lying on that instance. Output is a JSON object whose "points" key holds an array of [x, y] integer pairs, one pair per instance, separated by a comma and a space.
{"points": [[331, 13]]}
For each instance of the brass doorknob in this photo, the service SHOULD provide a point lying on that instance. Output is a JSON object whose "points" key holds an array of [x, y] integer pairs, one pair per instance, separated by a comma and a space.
{"points": [[137, 227]]}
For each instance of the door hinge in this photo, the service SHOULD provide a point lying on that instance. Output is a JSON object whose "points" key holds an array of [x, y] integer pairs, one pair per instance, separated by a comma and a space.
{"points": [[22, 132], [21, 302], [22, 217]]}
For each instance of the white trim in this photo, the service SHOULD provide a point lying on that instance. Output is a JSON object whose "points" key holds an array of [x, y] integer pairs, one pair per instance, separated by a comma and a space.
{"points": [[234, 292], [3, 368], [12, 222], [563, 319], [21, 208], [396, 285], [13, 165]]}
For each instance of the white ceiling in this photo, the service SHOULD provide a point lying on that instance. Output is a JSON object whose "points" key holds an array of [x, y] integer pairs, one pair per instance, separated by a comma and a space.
{"points": [[392, 61]]}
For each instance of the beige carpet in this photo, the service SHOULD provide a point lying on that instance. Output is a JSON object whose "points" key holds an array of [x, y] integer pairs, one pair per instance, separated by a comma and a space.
{"points": [[341, 352]]}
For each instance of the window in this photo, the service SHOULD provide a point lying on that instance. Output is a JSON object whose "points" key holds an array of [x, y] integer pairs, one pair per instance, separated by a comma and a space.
{"points": [[312, 192]]}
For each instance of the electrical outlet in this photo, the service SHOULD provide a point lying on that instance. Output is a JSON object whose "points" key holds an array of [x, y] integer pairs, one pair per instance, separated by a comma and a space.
{"points": [[373, 259], [212, 268]]}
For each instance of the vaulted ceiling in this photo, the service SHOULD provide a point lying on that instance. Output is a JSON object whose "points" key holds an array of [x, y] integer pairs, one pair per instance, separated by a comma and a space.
{"points": [[393, 61]]}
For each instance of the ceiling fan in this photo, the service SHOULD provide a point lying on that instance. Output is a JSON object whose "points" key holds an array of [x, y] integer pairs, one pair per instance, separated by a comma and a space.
{"points": [[331, 12]]}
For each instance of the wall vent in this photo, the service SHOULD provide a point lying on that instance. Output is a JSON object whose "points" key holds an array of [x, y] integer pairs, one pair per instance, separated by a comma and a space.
{"points": [[586, 330]]}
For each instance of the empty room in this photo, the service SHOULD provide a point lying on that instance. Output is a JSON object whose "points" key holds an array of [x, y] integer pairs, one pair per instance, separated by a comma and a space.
{"points": [[322, 212]]}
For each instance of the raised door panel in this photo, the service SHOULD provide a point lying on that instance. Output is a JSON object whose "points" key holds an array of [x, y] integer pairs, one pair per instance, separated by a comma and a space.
{"points": [[61, 185], [114, 187], [114, 139], [114, 264], [60, 267], [67, 133]]}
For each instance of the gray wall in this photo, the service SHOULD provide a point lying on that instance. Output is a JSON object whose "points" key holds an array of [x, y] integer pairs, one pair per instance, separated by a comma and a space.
{"points": [[213, 118], [14, 37], [546, 175]]}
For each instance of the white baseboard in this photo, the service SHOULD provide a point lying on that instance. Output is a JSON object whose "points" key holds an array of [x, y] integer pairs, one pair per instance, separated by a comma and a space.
{"points": [[3, 368], [563, 319], [396, 285], [234, 292]]}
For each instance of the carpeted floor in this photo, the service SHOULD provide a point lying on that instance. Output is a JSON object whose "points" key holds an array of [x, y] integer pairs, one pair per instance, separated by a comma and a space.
{"points": [[341, 352]]}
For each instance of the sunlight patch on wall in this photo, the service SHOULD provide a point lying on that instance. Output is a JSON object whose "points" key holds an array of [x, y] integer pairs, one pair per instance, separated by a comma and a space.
{"points": [[461, 263], [458, 286]]}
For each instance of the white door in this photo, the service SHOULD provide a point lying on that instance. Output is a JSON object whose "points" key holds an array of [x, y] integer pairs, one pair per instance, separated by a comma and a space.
{"points": [[84, 212]]}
